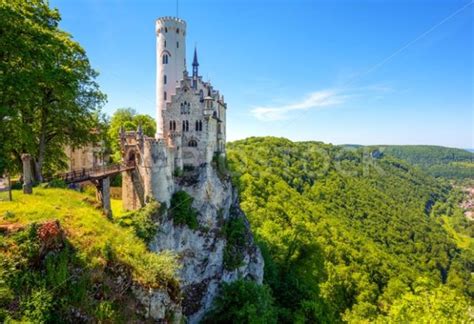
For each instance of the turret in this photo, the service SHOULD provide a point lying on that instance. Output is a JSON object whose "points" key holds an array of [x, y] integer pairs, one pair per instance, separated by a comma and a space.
{"points": [[170, 63]]}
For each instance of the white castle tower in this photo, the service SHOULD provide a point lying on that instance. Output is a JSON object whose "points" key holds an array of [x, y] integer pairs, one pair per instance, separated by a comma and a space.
{"points": [[170, 63]]}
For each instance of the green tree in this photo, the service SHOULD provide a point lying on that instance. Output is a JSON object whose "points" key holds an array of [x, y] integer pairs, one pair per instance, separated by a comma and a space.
{"points": [[129, 120], [49, 94], [242, 301]]}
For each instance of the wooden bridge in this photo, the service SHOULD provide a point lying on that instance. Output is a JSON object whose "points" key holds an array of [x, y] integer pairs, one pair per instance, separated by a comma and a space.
{"points": [[95, 174], [100, 177]]}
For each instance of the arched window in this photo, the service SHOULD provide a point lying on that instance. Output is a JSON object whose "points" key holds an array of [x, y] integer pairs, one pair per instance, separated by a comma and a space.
{"points": [[164, 96], [192, 143], [165, 79], [165, 59]]}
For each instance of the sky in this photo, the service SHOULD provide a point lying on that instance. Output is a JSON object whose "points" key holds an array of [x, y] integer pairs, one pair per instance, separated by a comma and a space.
{"points": [[341, 72]]}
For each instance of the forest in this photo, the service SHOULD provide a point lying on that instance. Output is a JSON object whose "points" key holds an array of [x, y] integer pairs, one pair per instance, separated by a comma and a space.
{"points": [[437, 161], [352, 236]]}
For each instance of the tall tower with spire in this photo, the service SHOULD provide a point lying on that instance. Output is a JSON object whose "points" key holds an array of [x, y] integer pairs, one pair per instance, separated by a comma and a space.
{"points": [[170, 63]]}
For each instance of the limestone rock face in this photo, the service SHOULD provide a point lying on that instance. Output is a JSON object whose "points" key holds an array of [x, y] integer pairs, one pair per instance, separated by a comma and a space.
{"points": [[201, 251]]}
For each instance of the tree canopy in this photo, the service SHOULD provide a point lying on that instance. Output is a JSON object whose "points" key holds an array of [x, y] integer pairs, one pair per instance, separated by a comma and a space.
{"points": [[129, 120], [349, 235], [49, 97]]}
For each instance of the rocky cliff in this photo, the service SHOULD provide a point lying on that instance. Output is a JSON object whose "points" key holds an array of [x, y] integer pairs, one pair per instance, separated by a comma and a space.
{"points": [[209, 254]]}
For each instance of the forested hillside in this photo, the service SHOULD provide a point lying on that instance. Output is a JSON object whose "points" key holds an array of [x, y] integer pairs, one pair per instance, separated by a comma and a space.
{"points": [[350, 236], [438, 161]]}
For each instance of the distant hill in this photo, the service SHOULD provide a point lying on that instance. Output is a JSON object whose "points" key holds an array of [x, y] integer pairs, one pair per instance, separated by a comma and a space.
{"points": [[356, 237], [438, 161]]}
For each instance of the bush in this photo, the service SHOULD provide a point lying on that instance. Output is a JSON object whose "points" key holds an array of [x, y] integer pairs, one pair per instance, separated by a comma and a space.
{"points": [[234, 232], [181, 210], [242, 301], [57, 183], [142, 221], [116, 180]]}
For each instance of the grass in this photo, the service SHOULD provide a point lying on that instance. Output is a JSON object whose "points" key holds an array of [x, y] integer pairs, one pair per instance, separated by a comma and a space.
{"points": [[91, 233]]}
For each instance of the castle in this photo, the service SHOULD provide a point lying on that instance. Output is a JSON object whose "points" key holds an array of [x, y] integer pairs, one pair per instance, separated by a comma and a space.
{"points": [[190, 122]]}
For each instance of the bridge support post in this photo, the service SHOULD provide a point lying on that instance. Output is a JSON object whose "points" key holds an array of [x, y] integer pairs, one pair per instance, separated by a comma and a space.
{"points": [[103, 195]]}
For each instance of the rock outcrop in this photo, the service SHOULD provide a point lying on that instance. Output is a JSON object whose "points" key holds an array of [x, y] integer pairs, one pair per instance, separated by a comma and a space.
{"points": [[201, 251]]}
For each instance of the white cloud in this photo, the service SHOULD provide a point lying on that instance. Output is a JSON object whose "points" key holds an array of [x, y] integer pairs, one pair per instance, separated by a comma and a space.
{"points": [[317, 99]]}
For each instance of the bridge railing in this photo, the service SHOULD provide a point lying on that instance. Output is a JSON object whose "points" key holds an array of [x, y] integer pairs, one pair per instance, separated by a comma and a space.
{"points": [[97, 172]]}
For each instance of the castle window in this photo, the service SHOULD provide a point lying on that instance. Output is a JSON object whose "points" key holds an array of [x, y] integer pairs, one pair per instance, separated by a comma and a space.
{"points": [[177, 44], [192, 143], [165, 59], [201, 95], [177, 30], [164, 79], [174, 125], [181, 108], [198, 125], [166, 29], [164, 96], [165, 43]]}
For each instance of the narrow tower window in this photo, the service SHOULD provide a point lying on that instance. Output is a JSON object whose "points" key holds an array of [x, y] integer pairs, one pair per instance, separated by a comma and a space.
{"points": [[164, 96], [165, 59], [165, 43], [177, 44], [164, 79], [177, 30]]}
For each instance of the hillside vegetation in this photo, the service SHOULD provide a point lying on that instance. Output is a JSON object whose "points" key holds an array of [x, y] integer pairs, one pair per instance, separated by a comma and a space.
{"points": [[63, 260], [347, 236], [438, 161]]}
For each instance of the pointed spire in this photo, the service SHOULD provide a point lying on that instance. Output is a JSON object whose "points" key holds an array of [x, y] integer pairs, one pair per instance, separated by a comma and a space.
{"points": [[195, 60]]}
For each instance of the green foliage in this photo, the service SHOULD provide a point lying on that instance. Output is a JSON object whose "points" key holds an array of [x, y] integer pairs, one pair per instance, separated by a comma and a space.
{"points": [[181, 210], [436, 160], [236, 242], [435, 305], [41, 285], [346, 233], [142, 220], [57, 183], [242, 301], [129, 120], [49, 94]]}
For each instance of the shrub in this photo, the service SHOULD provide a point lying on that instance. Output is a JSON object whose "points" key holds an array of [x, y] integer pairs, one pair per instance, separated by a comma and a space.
{"points": [[116, 180], [234, 232], [242, 301], [142, 220], [57, 183], [38, 307], [181, 210]]}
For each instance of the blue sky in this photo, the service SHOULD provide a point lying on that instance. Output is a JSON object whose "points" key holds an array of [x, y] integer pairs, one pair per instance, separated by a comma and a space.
{"points": [[365, 72]]}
